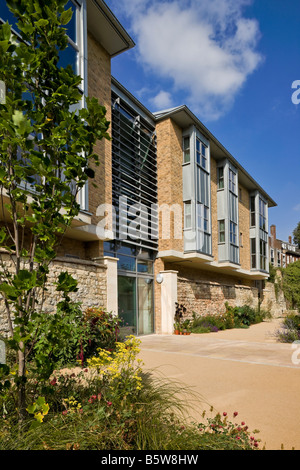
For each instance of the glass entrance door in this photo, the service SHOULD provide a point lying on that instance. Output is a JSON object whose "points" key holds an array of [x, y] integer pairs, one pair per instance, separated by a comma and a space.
{"points": [[127, 304], [136, 309]]}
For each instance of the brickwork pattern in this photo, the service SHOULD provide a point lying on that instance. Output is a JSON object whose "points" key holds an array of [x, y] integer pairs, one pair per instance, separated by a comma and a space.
{"points": [[169, 167]]}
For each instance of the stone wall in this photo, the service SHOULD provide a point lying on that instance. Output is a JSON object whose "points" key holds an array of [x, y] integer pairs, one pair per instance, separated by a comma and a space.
{"points": [[208, 297], [272, 299], [91, 279]]}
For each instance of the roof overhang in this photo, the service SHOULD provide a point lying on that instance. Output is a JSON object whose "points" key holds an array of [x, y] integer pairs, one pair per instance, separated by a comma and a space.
{"points": [[207, 263], [106, 29], [184, 118]]}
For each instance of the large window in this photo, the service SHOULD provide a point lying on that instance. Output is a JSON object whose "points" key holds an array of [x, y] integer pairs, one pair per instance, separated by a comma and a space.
{"points": [[232, 181], [186, 150], [202, 217], [253, 253], [263, 255], [233, 233], [221, 231], [252, 211], [188, 215], [262, 215], [135, 287], [221, 177], [201, 154], [74, 50]]}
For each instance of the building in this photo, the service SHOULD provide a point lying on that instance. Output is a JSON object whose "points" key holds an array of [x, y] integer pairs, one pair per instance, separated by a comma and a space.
{"points": [[282, 253], [174, 217]]}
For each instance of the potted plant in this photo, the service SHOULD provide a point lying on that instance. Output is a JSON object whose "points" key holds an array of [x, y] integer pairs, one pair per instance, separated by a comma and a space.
{"points": [[186, 327], [176, 328]]}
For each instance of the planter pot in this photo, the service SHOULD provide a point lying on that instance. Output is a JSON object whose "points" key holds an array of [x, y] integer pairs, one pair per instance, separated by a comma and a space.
{"points": [[176, 332]]}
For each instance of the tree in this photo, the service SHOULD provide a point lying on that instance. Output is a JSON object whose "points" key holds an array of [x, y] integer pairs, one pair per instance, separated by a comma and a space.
{"points": [[291, 284], [296, 235], [45, 151]]}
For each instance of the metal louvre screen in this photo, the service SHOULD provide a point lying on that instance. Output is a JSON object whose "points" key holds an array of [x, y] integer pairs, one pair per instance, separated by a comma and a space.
{"points": [[134, 176]]}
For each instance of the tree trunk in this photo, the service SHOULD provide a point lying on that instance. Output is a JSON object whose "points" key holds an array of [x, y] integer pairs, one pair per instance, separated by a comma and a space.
{"points": [[21, 385]]}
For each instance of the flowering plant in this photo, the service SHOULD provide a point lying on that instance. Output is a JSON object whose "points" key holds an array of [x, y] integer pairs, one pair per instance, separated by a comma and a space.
{"points": [[120, 370], [239, 431]]}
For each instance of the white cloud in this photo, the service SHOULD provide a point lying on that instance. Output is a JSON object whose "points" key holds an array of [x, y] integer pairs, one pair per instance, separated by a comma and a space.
{"points": [[206, 48], [162, 100]]}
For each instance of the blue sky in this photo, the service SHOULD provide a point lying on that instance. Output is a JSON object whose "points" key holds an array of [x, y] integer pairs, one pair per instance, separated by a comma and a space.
{"points": [[233, 63]]}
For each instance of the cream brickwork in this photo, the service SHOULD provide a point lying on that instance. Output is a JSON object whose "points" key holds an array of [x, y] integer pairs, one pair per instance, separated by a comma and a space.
{"points": [[169, 168], [244, 227]]}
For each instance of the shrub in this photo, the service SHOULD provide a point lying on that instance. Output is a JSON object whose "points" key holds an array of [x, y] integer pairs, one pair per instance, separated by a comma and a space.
{"points": [[290, 331], [102, 330], [291, 284], [233, 317]]}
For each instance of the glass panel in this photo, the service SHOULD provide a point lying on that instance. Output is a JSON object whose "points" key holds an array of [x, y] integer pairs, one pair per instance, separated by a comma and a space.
{"points": [[71, 26], [126, 250], [187, 215], [145, 267], [127, 304], [221, 178], [109, 248], [68, 56], [6, 15], [126, 263], [145, 299], [186, 149]]}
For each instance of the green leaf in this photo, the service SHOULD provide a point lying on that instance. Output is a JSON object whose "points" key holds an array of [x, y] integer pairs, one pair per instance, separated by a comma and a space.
{"points": [[21, 122], [66, 16], [66, 283]]}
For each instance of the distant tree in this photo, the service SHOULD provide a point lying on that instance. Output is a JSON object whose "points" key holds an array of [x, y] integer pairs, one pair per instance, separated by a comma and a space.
{"points": [[296, 235], [291, 284]]}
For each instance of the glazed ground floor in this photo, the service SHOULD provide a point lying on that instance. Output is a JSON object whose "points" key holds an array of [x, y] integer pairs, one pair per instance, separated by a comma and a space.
{"points": [[142, 288]]}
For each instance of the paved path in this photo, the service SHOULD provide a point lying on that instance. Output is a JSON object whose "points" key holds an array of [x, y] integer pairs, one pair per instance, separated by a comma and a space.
{"points": [[243, 370]]}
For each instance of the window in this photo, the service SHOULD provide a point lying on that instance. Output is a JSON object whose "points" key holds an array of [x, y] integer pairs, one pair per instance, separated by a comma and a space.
{"points": [[201, 154], [186, 150], [220, 177], [187, 215], [70, 55], [232, 181], [221, 231], [263, 254], [272, 256], [202, 217], [262, 215], [253, 253], [252, 211], [241, 239], [278, 258], [233, 238]]}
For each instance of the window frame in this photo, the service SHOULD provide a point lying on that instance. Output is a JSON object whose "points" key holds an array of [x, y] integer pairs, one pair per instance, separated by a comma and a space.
{"points": [[233, 233], [221, 232], [252, 212], [253, 252], [232, 181], [187, 204], [220, 177], [203, 157], [186, 151]]}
